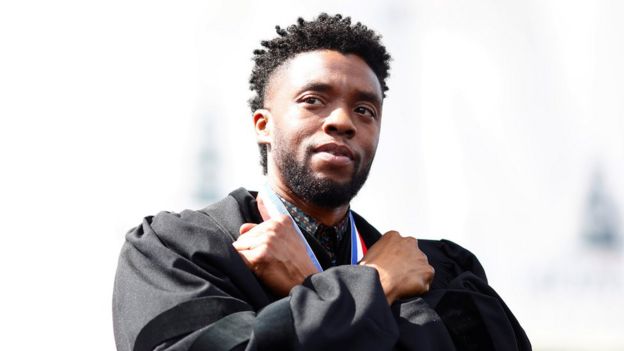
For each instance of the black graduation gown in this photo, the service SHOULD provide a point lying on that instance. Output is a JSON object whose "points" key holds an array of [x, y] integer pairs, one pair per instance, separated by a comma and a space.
{"points": [[180, 285]]}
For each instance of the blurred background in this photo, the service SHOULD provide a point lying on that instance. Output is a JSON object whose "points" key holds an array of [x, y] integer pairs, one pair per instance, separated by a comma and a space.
{"points": [[502, 131]]}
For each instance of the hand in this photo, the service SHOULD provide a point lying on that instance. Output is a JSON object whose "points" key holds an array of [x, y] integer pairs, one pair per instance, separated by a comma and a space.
{"points": [[404, 270], [275, 253]]}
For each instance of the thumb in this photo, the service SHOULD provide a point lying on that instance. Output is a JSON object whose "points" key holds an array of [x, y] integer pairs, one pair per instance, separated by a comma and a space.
{"points": [[246, 227], [264, 212]]}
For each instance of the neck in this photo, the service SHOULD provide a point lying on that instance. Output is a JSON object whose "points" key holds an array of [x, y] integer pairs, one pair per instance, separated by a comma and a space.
{"points": [[327, 216]]}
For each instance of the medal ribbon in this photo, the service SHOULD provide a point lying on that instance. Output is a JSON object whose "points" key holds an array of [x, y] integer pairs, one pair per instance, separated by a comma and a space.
{"points": [[275, 207]]}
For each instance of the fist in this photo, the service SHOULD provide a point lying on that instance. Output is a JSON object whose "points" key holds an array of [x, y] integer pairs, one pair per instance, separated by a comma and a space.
{"points": [[404, 270], [275, 253]]}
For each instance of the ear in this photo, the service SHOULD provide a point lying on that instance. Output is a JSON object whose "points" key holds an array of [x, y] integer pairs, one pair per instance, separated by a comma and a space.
{"points": [[263, 124]]}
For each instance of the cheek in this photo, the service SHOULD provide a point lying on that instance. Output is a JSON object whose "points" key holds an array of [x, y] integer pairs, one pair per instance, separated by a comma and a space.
{"points": [[291, 141], [373, 149], [371, 139], [301, 135]]}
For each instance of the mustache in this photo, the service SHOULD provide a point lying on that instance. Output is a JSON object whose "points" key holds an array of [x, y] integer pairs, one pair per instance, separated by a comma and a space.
{"points": [[313, 148]]}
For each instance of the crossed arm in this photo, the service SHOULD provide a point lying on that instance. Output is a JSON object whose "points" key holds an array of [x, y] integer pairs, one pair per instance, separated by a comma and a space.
{"points": [[278, 257], [168, 297]]}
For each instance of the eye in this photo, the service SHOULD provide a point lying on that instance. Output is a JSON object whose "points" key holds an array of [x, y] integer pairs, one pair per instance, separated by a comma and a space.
{"points": [[366, 111], [312, 100]]}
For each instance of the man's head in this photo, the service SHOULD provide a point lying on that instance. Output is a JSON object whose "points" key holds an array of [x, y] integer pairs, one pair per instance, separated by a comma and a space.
{"points": [[319, 90]]}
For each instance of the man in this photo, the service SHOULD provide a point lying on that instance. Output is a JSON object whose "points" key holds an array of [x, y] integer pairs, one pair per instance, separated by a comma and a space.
{"points": [[292, 267]]}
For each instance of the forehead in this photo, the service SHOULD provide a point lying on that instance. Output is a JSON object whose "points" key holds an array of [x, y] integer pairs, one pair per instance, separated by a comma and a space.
{"points": [[325, 67]]}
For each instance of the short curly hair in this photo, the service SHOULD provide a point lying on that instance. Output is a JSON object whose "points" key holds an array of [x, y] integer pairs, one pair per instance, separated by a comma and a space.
{"points": [[323, 33]]}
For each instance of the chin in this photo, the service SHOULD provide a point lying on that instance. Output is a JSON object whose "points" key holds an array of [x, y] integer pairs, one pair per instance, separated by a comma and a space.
{"points": [[325, 191], [340, 175], [340, 180], [320, 184]]}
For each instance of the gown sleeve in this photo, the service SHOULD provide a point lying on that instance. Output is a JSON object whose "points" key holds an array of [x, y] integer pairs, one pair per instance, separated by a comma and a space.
{"points": [[475, 316], [180, 285]]}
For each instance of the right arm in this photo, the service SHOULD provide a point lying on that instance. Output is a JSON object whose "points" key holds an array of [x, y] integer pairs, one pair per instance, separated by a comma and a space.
{"points": [[180, 285]]}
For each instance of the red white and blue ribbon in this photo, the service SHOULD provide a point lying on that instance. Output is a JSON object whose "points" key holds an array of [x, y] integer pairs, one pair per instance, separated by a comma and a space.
{"points": [[275, 207]]}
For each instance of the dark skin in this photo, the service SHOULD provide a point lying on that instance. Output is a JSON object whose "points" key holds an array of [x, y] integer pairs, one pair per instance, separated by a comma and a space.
{"points": [[325, 108]]}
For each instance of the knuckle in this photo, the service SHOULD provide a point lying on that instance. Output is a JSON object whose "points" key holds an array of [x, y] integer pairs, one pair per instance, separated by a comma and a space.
{"points": [[263, 253], [269, 245], [282, 219], [430, 272], [392, 234], [411, 240], [272, 226], [270, 235]]}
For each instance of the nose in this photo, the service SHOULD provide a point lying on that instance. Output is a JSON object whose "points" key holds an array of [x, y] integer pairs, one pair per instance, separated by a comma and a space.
{"points": [[340, 123]]}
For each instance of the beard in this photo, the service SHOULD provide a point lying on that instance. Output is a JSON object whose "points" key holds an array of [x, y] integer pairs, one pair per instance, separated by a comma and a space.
{"points": [[321, 192]]}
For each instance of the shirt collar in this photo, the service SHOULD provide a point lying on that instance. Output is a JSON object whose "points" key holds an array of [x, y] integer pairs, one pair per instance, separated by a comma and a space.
{"points": [[310, 225]]}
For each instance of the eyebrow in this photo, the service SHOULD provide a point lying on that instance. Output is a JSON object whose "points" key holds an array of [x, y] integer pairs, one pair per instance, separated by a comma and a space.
{"points": [[368, 96], [361, 95], [315, 86]]}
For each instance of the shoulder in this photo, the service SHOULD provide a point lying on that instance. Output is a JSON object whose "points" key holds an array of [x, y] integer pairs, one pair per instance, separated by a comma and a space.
{"points": [[187, 231], [450, 259], [175, 264], [368, 232]]}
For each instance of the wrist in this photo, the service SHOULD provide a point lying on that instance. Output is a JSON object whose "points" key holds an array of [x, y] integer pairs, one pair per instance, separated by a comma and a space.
{"points": [[387, 284]]}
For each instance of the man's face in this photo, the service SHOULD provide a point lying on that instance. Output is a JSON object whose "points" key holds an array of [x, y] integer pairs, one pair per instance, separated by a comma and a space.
{"points": [[323, 126]]}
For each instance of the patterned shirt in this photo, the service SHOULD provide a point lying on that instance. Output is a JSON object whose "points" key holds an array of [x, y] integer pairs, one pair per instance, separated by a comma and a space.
{"points": [[329, 237]]}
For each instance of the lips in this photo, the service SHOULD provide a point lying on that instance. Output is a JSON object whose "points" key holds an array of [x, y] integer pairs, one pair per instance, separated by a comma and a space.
{"points": [[336, 150]]}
